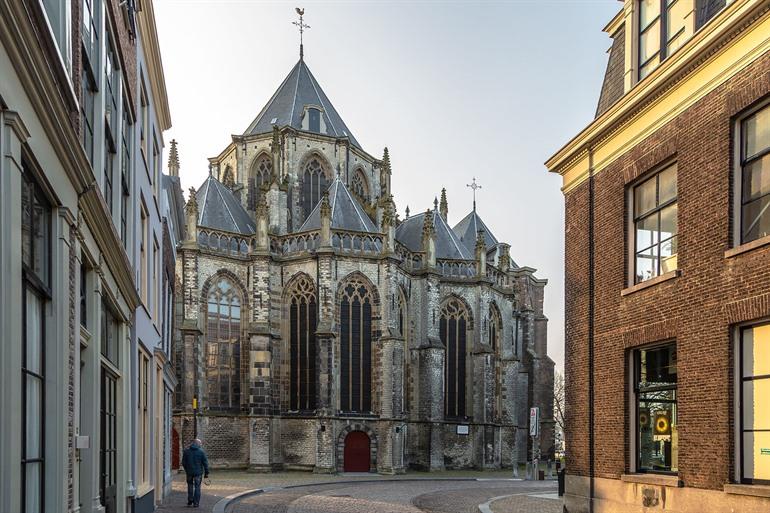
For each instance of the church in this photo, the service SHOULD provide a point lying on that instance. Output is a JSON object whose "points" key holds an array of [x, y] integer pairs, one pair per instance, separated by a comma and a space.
{"points": [[317, 329]]}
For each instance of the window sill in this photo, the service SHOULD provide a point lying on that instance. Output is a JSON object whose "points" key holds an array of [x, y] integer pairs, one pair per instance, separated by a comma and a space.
{"points": [[653, 479], [746, 489], [650, 283], [743, 248]]}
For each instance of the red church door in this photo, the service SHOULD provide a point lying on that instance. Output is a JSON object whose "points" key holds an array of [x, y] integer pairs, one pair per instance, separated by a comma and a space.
{"points": [[356, 452], [174, 449]]}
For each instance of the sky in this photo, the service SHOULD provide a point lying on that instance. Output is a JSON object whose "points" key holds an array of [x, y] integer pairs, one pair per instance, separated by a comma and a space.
{"points": [[455, 90]]}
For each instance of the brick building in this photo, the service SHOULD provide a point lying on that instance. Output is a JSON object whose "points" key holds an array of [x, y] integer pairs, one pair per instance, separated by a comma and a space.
{"points": [[319, 331], [667, 319]]}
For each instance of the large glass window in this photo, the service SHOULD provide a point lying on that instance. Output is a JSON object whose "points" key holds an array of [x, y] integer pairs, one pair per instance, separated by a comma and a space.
{"points": [[453, 330], [108, 441], [356, 348], [125, 172], [755, 176], [655, 225], [655, 390], [90, 54], [302, 348], [223, 346], [36, 266], [314, 184], [661, 31], [110, 335], [755, 398]]}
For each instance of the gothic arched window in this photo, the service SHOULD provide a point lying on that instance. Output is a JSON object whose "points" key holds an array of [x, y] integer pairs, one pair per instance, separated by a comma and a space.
{"points": [[403, 329], [495, 341], [359, 187], [356, 348], [302, 348], [453, 332], [223, 346], [228, 178], [258, 176], [314, 184]]}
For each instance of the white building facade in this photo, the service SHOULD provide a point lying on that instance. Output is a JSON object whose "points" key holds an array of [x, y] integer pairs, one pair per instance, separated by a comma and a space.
{"points": [[71, 185]]}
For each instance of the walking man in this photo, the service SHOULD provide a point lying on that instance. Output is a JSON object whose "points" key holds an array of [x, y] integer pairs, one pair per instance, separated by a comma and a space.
{"points": [[196, 466]]}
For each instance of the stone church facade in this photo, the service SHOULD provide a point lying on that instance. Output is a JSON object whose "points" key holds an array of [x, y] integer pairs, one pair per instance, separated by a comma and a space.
{"points": [[319, 331]]}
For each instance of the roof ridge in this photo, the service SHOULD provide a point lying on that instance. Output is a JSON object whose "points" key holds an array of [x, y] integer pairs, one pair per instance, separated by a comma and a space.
{"points": [[253, 124]]}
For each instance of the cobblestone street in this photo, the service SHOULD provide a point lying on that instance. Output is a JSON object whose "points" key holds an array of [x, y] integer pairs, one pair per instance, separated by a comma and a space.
{"points": [[295, 492]]}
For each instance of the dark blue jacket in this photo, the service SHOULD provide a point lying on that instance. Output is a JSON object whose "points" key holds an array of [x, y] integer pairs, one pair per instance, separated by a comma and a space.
{"points": [[195, 461]]}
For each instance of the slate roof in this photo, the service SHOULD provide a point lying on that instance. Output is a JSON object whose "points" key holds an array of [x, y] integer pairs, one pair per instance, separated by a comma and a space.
{"points": [[448, 245], [612, 86], [298, 89], [219, 209], [347, 212], [707, 9], [467, 228]]}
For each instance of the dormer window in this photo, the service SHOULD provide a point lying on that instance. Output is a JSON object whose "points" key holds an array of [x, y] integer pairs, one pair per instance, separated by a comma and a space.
{"points": [[661, 31], [314, 120]]}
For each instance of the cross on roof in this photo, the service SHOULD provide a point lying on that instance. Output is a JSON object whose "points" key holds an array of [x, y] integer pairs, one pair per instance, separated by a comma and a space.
{"points": [[473, 185], [301, 26]]}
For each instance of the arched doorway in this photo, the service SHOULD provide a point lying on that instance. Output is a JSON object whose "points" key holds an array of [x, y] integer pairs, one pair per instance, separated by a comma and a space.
{"points": [[357, 452]]}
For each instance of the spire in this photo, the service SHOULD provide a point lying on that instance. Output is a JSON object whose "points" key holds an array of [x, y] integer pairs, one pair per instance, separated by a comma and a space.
{"points": [[435, 204], [444, 207], [301, 26], [173, 160], [386, 160]]}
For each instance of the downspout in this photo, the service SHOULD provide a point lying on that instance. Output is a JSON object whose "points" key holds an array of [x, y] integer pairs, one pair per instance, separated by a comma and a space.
{"points": [[591, 311]]}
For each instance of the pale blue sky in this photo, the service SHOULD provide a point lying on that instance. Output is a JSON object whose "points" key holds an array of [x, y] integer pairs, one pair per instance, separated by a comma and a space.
{"points": [[454, 89]]}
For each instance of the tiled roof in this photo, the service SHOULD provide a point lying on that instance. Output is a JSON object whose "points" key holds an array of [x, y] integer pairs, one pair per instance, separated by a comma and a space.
{"points": [[347, 212], [287, 105], [219, 209], [467, 229], [448, 245], [612, 87]]}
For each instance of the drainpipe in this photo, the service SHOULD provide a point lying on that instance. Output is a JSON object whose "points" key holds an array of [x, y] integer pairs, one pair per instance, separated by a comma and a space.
{"points": [[591, 310]]}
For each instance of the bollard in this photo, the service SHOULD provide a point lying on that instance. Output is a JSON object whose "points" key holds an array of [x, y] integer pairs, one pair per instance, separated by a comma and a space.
{"points": [[515, 470], [549, 469]]}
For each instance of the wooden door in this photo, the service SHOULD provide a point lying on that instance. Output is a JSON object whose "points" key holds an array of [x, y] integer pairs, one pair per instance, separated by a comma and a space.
{"points": [[357, 452]]}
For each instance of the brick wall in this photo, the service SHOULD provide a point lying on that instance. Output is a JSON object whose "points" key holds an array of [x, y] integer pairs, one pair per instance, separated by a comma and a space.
{"points": [[690, 308]]}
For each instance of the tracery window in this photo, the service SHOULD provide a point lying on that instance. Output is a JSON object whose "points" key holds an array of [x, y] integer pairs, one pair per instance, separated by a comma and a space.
{"points": [[495, 340], [359, 187], [314, 184], [356, 348], [403, 329], [302, 347], [223, 346], [453, 332], [259, 176]]}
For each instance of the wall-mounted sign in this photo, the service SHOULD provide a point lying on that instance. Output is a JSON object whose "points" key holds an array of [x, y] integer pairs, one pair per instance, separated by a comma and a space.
{"points": [[463, 429], [534, 421], [764, 451]]}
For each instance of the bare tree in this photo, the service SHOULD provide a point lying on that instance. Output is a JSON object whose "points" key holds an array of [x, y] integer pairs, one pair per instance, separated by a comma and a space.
{"points": [[558, 402]]}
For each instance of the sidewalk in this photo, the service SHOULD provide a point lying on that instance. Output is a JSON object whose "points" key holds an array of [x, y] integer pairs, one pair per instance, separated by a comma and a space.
{"points": [[528, 504]]}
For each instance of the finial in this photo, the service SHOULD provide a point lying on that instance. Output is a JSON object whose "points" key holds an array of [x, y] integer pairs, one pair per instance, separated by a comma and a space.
{"points": [[444, 207], [473, 185], [386, 160], [302, 26], [435, 203], [192, 203], [407, 212], [173, 160]]}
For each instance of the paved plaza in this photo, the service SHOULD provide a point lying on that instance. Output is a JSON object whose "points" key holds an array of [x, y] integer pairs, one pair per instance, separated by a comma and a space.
{"points": [[296, 492]]}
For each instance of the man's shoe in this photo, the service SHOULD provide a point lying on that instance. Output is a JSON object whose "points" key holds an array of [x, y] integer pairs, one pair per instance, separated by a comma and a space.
{"points": [[189, 503]]}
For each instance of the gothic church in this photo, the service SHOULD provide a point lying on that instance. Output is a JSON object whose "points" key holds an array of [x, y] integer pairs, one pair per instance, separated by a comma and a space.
{"points": [[318, 330]]}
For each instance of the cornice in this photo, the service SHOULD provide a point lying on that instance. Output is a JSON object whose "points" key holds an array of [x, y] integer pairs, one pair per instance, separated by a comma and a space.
{"points": [[705, 44], [148, 32]]}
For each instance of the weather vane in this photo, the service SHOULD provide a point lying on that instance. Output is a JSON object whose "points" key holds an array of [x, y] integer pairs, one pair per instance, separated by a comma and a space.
{"points": [[473, 185], [302, 26]]}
